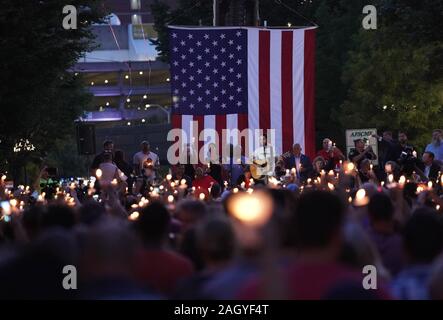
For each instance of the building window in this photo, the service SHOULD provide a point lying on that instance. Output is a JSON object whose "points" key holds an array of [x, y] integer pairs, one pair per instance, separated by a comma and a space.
{"points": [[135, 4], [136, 19]]}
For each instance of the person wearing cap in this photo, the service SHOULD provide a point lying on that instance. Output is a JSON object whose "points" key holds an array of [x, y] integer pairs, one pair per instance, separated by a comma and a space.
{"points": [[361, 152], [330, 151]]}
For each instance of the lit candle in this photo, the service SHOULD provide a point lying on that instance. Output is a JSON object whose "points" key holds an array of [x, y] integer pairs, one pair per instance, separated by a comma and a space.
{"points": [[371, 166], [235, 190], [402, 181], [134, 206], [430, 185], [322, 173], [250, 190], [242, 185], [253, 209], [201, 196], [309, 180], [331, 173], [391, 178], [170, 198], [182, 182], [331, 186], [168, 177], [114, 182], [360, 198], [98, 173], [350, 199], [172, 184], [13, 202], [72, 186], [293, 171], [437, 207], [225, 184], [134, 216], [3, 178], [161, 187], [287, 172]]}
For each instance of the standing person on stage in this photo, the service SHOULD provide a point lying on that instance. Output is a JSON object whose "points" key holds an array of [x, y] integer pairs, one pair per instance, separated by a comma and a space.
{"points": [[330, 151], [392, 148], [436, 145], [300, 162], [108, 148], [146, 161]]}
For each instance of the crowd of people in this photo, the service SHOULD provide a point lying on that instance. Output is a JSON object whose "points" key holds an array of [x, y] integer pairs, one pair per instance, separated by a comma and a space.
{"points": [[220, 231]]}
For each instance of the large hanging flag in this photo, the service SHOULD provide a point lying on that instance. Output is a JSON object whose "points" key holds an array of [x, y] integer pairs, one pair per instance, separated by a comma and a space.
{"points": [[245, 77]]}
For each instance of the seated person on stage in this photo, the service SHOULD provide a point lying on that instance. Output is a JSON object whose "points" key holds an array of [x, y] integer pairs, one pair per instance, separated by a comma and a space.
{"points": [[428, 169], [245, 178], [361, 152], [331, 152], [365, 173], [300, 162], [178, 173]]}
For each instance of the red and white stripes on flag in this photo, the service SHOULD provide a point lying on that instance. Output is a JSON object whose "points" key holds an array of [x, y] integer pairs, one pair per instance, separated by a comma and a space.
{"points": [[280, 90]]}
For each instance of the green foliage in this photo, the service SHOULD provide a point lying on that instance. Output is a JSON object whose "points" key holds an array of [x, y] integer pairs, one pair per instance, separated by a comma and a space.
{"points": [[39, 99], [392, 74]]}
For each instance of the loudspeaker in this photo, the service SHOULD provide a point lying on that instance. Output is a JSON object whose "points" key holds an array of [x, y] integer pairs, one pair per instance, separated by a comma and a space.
{"points": [[86, 139]]}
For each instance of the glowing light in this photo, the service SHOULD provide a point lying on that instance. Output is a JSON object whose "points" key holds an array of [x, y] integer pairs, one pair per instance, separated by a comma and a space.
{"points": [[168, 177], [331, 186], [201, 196], [145, 97], [106, 81], [430, 185], [114, 182], [140, 73], [182, 182], [126, 76], [402, 181], [128, 100], [253, 209], [98, 173], [391, 178], [134, 216], [235, 190], [171, 198], [360, 198]]}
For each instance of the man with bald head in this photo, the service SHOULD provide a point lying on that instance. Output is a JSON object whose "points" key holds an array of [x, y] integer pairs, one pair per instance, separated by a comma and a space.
{"points": [[331, 152], [300, 162]]}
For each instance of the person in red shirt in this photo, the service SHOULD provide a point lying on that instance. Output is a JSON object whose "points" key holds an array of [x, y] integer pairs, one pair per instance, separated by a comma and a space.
{"points": [[330, 151], [202, 182], [157, 267]]}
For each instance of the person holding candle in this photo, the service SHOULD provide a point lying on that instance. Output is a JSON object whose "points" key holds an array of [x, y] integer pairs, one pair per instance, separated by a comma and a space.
{"points": [[108, 147], [146, 162], [331, 152], [202, 181], [360, 152]]}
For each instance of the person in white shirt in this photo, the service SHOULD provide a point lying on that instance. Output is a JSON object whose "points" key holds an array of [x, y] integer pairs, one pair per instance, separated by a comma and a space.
{"points": [[145, 161], [109, 170]]}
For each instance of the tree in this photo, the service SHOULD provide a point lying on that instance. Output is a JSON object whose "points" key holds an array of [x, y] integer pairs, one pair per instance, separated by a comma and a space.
{"points": [[395, 75], [40, 99]]}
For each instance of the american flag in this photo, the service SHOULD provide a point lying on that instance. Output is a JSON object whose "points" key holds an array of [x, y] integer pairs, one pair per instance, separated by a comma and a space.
{"points": [[244, 77]]}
